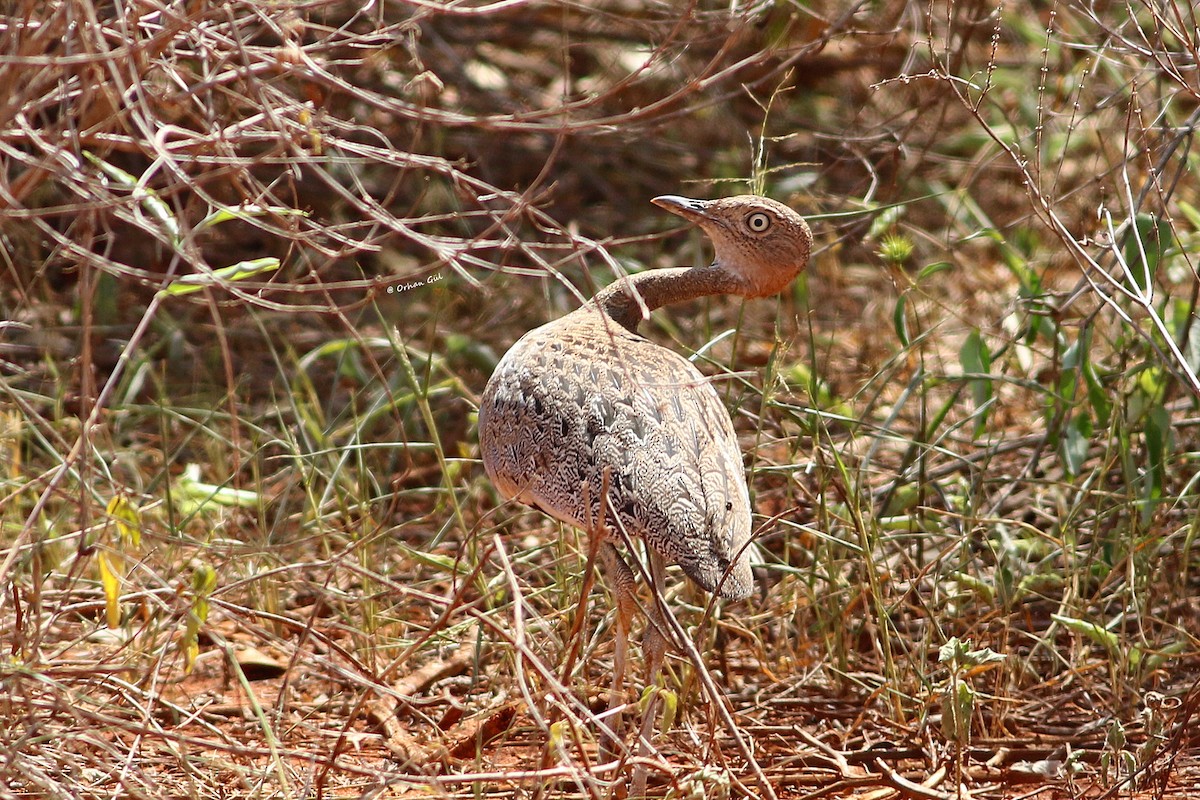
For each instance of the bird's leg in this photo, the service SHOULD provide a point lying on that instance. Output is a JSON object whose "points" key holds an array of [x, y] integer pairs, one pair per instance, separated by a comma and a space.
{"points": [[654, 649], [655, 642], [575, 637], [597, 533], [620, 579]]}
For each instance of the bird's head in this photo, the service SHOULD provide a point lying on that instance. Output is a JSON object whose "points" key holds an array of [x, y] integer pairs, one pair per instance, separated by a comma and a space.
{"points": [[761, 242]]}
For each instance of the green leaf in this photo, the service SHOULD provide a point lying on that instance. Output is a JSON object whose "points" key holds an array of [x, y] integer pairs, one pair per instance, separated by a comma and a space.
{"points": [[1184, 322], [1160, 656], [1096, 393], [1158, 450], [149, 199], [959, 654], [670, 709], [1145, 242], [1097, 633], [884, 220], [128, 518], [1192, 214], [952, 652], [195, 495], [558, 738], [435, 561], [112, 567], [900, 319], [933, 269], [1073, 355], [977, 360], [1115, 738], [246, 212], [984, 655], [1158, 439], [1148, 392], [984, 233], [204, 580], [968, 581], [1077, 442], [235, 272], [958, 706], [1153, 381]]}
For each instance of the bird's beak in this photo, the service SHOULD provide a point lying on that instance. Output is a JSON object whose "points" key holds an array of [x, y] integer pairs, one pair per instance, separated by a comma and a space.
{"points": [[686, 207]]}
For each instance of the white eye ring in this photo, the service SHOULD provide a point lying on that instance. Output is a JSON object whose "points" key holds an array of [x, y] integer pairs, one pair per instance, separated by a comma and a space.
{"points": [[758, 222]]}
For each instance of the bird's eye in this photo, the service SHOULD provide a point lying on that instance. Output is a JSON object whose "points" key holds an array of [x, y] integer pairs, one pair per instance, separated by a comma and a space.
{"points": [[758, 222]]}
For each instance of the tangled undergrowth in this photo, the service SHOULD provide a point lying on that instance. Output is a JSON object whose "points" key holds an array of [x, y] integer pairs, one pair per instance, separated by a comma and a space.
{"points": [[259, 260]]}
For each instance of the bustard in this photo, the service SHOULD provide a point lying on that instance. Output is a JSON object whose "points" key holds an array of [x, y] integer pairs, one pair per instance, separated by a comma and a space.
{"points": [[605, 430]]}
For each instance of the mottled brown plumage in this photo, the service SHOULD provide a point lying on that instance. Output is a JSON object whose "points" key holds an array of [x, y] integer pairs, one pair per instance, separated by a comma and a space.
{"points": [[585, 395]]}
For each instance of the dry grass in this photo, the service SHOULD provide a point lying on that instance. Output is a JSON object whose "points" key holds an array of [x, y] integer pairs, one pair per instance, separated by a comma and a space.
{"points": [[259, 259]]}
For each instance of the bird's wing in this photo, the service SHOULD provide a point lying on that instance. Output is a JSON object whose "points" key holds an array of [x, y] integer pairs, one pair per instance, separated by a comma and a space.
{"points": [[570, 401]]}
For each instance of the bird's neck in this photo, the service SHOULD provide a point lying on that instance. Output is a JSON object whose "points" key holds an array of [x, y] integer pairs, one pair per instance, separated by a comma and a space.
{"points": [[630, 299]]}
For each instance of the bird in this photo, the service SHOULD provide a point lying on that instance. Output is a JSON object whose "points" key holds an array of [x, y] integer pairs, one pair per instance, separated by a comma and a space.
{"points": [[609, 432]]}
